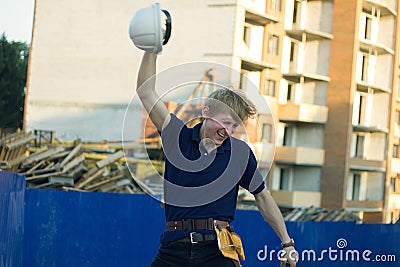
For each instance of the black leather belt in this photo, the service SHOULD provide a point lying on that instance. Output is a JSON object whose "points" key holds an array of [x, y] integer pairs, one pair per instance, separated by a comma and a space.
{"points": [[194, 224], [197, 237]]}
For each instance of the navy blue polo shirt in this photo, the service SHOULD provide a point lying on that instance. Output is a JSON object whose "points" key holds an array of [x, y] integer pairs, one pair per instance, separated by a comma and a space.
{"points": [[201, 184]]}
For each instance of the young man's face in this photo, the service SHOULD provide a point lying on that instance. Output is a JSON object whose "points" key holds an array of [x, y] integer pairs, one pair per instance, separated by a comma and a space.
{"points": [[218, 127]]}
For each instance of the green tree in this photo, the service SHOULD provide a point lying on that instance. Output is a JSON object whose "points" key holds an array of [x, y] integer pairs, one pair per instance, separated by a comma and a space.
{"points": [[13, 71]]}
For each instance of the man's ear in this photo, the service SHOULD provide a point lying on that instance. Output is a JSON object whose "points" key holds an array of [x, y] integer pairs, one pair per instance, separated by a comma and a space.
{"points": [[205, 112]]}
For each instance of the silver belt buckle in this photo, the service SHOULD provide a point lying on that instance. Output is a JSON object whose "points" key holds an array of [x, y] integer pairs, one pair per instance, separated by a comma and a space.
{"points": [[192, 236]]}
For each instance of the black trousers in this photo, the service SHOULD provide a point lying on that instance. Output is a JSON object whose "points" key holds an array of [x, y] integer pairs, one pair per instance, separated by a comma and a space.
{"points": [[178, 254]]}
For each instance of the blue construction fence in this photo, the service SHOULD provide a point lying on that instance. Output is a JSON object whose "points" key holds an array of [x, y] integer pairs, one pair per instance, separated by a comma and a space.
{"points": [[57, 228]]}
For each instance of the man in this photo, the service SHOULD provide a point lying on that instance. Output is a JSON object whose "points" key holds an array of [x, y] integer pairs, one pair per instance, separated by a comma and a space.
{"points": [[204, 168]]}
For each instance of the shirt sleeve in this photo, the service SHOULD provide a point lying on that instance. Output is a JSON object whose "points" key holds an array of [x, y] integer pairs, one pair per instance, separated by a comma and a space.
{"points": [[252, 179], [172, 134]]}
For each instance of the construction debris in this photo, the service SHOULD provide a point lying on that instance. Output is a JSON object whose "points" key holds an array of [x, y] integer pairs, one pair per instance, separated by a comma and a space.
{"points": [[54, 165], [12, 149], [317, 214]]}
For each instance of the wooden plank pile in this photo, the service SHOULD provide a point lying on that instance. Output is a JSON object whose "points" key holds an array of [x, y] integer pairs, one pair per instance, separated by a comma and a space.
{"points": [[66, 166], [317, 214], [12, 150]]}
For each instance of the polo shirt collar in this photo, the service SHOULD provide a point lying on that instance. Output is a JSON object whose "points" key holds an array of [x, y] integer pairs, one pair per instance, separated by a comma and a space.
{"points": [[226, 145]]}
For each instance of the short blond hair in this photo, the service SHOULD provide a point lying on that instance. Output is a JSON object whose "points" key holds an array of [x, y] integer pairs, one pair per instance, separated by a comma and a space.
{"points": [[233, 101]]}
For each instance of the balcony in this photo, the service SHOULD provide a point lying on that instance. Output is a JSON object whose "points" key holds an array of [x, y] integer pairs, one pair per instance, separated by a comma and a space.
{"points": [[386, 7], [361, 164], [254, 65], [394, 201], [365, 87], [297, 77], [297, 198], [381, 49], [261, 19], [307, 34], [303, 113], [370, 128], [300, 156]]}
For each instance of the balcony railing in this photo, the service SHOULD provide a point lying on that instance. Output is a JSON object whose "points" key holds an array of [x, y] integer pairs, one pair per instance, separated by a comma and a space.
{"points": [[303, 112], [300, 155], [387, 7], [367, 165]]}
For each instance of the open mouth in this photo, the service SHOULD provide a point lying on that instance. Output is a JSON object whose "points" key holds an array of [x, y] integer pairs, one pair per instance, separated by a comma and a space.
{"points": [[222, 134]]}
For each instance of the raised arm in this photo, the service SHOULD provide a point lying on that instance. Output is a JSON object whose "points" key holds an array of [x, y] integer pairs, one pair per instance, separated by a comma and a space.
{"points": [[146, 83]]}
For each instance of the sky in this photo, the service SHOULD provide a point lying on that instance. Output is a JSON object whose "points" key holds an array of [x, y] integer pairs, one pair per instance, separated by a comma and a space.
{"points": [[16, 19]]}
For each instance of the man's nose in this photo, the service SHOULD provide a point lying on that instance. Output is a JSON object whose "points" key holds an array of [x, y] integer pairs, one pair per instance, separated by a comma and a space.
{"points": [[230, 130]]}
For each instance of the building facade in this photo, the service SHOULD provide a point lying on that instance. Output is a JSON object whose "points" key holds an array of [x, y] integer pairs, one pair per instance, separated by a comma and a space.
{"points": [[329, 70]]}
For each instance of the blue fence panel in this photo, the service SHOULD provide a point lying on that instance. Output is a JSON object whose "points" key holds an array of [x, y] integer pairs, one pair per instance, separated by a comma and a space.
{"points": [[321, 243], [12, 189], [103, 229], [90, 229]]}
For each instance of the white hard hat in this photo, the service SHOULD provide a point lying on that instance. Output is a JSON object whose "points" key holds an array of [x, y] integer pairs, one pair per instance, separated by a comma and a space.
{"points": [[146, 28]]}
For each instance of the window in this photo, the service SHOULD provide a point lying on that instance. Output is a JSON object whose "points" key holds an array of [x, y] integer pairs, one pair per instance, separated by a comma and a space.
{"points": [[362, 109], [367, 30], [276, 5], [393, 185], [395, 151], [364, 68], [291, 92], [273, 44], [247, 33], [284, 179], [292, 51], [288, 135], [370, 17], [270, 87], [295, 11], [267, 132], [360, 144], [355, 195], [243, 79]]}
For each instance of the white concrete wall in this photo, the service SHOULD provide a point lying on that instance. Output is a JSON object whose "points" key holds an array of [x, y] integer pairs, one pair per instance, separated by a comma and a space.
{"points": [[376, 147], [83, 65], [386, 32], [319, 16], [380, 110], [383, 71], [314, 93], [317, 57]]}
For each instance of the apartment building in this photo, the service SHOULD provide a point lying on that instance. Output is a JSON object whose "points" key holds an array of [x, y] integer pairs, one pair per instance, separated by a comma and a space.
{"points": [[329, 70], [361, 96], [337, 108]]}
